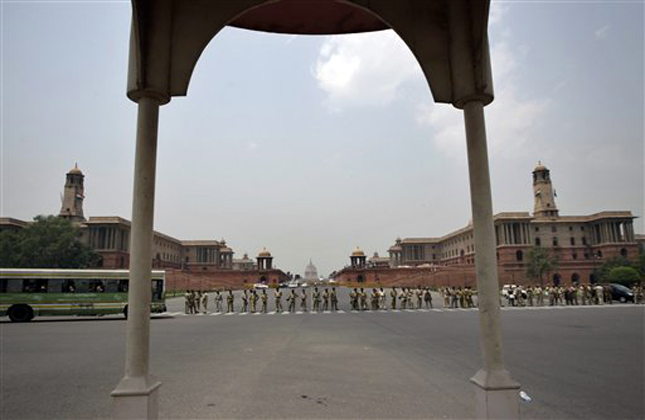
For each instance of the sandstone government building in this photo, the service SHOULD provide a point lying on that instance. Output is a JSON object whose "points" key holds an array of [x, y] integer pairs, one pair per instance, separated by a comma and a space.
{"points": [[189, 264], [581, 244]]}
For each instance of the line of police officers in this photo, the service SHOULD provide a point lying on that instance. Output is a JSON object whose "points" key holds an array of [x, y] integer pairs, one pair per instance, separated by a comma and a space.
{"points": [[327, 300], [197, 301]]}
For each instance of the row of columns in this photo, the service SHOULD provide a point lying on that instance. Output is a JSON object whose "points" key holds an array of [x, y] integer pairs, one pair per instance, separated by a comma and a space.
{"points": [[108, 238], [513, 236], [396, 258], [226, 260], [621, 231]]}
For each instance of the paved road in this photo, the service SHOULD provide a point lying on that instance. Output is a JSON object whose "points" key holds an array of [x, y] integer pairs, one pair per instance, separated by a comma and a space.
{"points": [[580, 362]]}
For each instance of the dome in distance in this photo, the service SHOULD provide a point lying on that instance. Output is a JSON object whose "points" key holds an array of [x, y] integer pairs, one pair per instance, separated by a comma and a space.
{"points": [[539, 167], [75, 170], [264, 253], [358, 252]]}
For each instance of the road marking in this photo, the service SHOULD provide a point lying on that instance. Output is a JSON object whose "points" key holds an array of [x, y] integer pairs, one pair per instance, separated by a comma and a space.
{"points": [[271, 313], [230, 313], [243, 313], [216, 313]]}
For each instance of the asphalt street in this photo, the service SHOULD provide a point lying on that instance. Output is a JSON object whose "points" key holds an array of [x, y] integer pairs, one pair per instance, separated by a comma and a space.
{"points": [[574, 362]]}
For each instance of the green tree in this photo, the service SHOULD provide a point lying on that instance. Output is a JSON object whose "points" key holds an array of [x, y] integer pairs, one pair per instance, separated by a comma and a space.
{"points": [[627, 276], [602, 273], [49, 242], [540, 262]]}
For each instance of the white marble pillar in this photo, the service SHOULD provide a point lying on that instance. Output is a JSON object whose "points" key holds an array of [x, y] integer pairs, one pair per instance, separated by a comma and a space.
{"points": [[136, 394], [495, 392]]}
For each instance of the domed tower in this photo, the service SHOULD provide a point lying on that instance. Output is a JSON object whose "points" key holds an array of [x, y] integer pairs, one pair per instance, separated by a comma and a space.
{"points": [[543, 193], [73, 195], [358, 258], [265, 260], [311, 272]]}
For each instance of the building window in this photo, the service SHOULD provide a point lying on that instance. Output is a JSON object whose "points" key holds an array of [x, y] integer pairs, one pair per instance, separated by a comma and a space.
{"points": [[584, 240], [575, 256], [556, 279], [537, 229], [575, 278], [623, 252], [599, 254], [582, 228], [554, 229], [570, 228], [537, 242], [555, 241], [586, 256], [572, 240], [519, 255]]}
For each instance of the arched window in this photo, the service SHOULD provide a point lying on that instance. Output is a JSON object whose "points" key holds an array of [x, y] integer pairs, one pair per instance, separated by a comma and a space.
{"points": [[623, 252], [575, 278], [599, 254], [360, 278], [556, 279], [519, 255], [592, 278]]}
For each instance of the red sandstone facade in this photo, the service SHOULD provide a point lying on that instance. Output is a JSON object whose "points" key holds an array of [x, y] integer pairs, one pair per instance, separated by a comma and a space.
{"points": [[580, 243]]}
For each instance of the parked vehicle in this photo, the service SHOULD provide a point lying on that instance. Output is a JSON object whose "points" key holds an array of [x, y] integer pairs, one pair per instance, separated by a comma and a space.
{"points": [[621, 293]]}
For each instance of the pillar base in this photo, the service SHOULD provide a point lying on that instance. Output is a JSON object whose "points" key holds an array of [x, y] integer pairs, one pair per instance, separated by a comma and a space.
{"points": [[496, 395], [136, 398]]}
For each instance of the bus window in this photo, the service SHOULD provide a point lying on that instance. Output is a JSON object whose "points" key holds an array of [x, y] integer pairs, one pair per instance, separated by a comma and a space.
{"points": [[157, 289], [14, 285], [3, 286], [82, 286], [69, 286], [56, 286], [96, 286], [34, 286], [111, 286], [123, 286]]}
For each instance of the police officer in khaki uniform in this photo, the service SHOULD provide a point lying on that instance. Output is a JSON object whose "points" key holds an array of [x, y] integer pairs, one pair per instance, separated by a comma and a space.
{"points": [[291, 299], [316, 300], [278, 300], [334, 299], [265, 300], [303, 300], [245, 302], [393, 297], [230, 299], [218, 301], [325, 297]]}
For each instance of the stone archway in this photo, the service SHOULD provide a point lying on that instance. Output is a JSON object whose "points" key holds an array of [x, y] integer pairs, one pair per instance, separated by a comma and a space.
{"points": [[449, 40]]}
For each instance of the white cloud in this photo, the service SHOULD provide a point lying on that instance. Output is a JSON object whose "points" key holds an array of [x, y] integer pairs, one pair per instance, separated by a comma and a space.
{"points": [[364, 69], [602, 32], [509, 119], [251, 147]]}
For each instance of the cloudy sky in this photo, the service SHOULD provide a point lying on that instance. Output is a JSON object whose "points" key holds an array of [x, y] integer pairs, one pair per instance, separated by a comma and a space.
{"points": [[311, 146]]}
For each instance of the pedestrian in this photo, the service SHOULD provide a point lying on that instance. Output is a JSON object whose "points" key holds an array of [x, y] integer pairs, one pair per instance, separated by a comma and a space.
{"points": [[291, 300], [230, 300], [254, 301], [325, 297], [393, 296], [205, 302], [265, 300], [278, 300], [218, 301], [427, 297], [303, 301], [187, 302], [316, 300], [334, 299], [363, 297], [245, 302]]}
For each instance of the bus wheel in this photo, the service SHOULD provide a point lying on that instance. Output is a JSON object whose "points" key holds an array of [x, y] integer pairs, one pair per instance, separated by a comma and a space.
{"points": [[125, 311], [20, 313]]}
